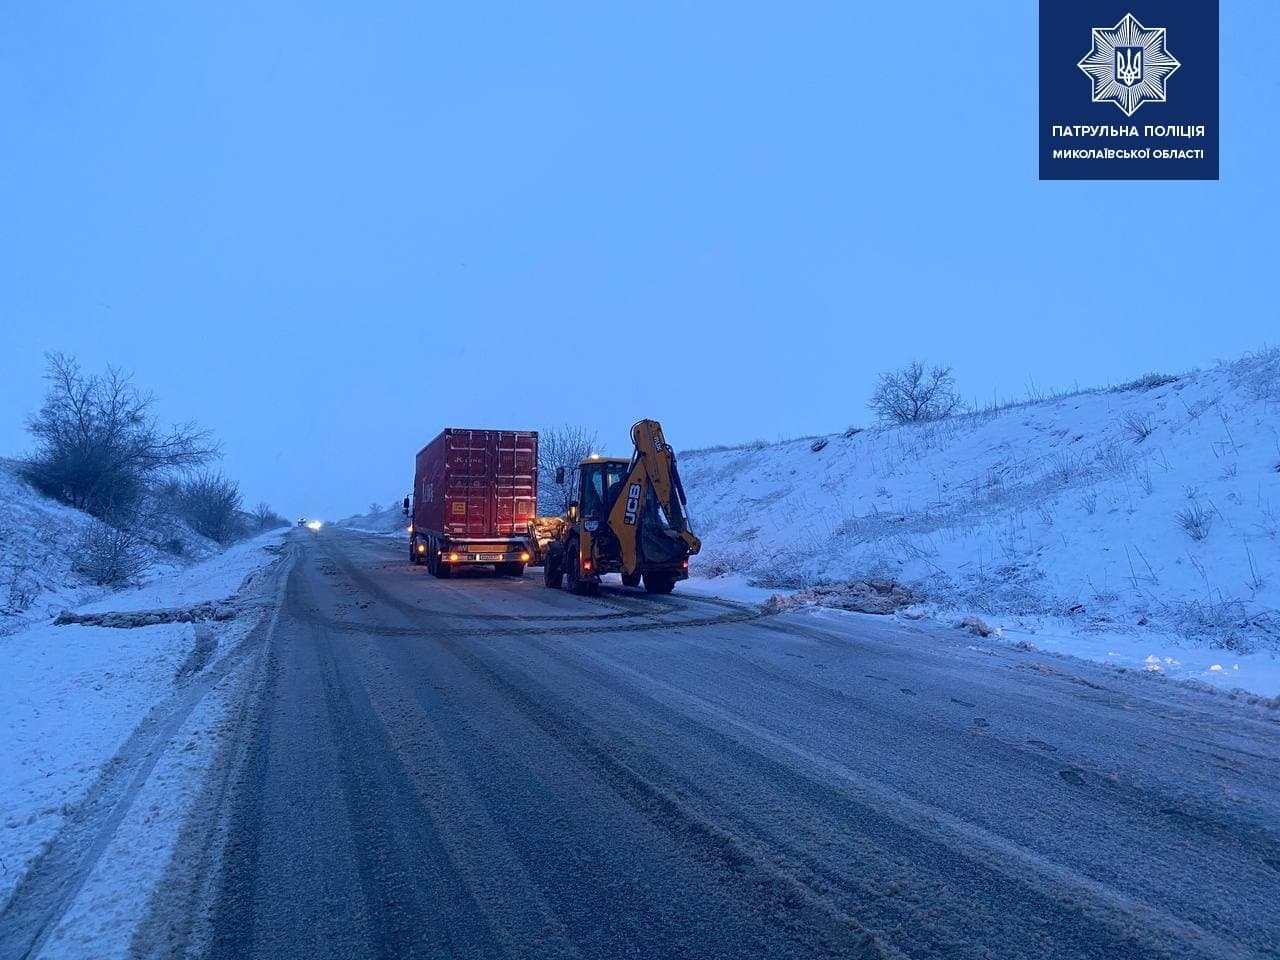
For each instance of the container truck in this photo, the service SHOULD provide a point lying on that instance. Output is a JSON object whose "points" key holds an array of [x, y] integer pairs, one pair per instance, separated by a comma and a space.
{"points": [[475, 493]]}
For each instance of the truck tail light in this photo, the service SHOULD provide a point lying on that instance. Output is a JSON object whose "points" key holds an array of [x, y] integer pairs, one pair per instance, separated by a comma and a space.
{"points": [[685, 564], [586, 564]]}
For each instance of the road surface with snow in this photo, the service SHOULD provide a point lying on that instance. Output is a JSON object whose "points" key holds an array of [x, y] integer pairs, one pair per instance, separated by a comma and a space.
{"points": [[482, 767]]}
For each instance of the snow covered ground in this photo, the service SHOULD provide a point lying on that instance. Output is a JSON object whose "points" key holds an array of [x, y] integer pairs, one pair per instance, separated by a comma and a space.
{"points": [[70, 696], [1119, 524]]}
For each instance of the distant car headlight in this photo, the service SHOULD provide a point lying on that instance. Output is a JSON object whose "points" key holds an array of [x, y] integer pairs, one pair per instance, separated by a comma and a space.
{"points": [[313, 524]]}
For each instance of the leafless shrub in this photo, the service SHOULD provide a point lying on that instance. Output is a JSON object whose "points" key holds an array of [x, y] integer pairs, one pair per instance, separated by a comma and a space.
{"points": [[1066, 467], [1114, 457], [210, 502], [1139, 425], [915, 395], [21, 589], [1224, 623], [1148, 381], [561, 448], [1258, 372], [110, 556], [1195, 520], [98, 444], [1090, 501]]}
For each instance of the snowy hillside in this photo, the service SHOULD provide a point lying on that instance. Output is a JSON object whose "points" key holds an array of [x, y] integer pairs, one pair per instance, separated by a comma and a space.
{"points": [[1154, 506], [39, 538], [388, 520]]}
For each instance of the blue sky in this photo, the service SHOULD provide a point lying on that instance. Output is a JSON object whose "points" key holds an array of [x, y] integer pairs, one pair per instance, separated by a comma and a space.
{"points": [[327, 231]]}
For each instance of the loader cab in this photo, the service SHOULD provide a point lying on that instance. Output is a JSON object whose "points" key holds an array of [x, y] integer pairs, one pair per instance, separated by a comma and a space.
{"points": [[600, 481]]}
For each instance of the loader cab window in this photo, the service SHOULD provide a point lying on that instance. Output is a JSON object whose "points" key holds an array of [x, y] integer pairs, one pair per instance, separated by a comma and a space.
{"points": [[600, 485]]}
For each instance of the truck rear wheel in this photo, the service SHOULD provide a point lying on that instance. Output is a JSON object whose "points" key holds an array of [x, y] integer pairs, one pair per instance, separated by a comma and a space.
{"points": [[659, 582], [443, 570]]}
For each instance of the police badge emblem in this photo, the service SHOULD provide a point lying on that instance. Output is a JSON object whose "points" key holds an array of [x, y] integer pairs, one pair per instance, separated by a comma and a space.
{"points": [[1129, 64]]}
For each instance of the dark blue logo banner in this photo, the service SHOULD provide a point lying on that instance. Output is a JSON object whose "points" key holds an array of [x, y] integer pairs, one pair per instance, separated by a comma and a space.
{"points": [[1128, 89]]}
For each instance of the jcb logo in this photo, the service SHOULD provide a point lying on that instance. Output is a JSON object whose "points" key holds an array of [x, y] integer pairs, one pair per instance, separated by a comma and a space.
{"points": [[633, 504]]}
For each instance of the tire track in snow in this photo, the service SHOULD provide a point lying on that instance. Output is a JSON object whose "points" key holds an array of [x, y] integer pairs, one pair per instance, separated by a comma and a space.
{"points": [[54, 879]]}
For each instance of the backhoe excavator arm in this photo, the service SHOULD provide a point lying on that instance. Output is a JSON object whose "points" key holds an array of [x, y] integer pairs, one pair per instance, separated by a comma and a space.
{"points": [[653, 468]]}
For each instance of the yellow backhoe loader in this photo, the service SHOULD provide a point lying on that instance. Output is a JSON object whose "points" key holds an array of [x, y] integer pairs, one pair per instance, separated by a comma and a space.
{"points": [[629, 519]]}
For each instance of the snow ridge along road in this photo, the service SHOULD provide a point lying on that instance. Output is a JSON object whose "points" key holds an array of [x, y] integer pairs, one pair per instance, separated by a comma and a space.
{"points": [[51, 884], [482, 767]]}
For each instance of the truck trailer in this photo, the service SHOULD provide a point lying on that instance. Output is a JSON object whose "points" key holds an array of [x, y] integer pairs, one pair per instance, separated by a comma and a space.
{"points": [[475, 493]]}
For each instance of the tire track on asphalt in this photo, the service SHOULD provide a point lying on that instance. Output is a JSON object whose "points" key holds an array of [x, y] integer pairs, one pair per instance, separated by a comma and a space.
{"points": [[884, 802], [397, 835], [413, 901], [563, 624], [817, 924]]}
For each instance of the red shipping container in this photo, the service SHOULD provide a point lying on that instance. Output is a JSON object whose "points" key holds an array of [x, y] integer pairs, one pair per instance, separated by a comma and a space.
{"points": [[479, 485]]}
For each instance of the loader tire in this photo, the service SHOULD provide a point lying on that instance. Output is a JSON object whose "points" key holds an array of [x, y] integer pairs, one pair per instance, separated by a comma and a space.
{"points": [[659, 582], [583, 587], [631, 579], [552, 574]]}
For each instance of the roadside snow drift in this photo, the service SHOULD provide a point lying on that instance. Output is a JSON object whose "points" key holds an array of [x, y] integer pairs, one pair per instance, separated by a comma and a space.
{"points": [[1153, 506], [71, 695]]}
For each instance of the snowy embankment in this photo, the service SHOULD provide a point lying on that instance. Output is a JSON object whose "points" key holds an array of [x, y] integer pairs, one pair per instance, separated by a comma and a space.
{"points": [[1138, 524], [39, 541], [70, 696], [388, 522]]}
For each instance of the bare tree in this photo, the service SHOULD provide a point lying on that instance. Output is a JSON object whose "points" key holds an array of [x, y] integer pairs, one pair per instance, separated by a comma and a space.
{"points": [[265, 517], [210, 502], [374, 507], [914, 394], [98, 444], [561, 447]]}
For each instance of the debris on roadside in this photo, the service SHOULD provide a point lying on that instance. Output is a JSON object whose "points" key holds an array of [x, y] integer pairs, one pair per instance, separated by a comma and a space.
{"points": [[878, 596], [978, 627], [223, 610]]}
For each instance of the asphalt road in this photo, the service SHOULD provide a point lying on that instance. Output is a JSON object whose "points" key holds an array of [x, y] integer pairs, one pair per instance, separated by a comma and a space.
{"points": [[481, 767]]}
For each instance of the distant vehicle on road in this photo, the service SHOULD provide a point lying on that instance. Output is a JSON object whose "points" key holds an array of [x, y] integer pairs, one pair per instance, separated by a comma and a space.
{"points": [[475, 493]]}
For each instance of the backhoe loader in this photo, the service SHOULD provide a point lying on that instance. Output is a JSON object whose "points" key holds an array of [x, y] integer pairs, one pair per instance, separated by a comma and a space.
{"points": [[629, 519]]}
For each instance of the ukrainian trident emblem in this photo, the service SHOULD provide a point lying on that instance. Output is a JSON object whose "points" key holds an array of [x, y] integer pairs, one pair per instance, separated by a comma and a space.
{"points": [[1129, 65]]}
